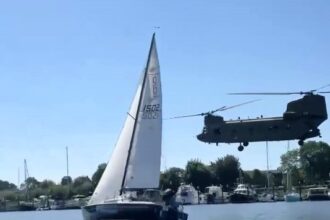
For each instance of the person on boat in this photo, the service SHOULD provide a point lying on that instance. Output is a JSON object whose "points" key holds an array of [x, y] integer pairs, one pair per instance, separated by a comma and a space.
{"points": [[171, 206]]}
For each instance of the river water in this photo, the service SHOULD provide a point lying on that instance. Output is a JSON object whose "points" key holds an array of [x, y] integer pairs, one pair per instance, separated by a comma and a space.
{"points": [[253, 211]]}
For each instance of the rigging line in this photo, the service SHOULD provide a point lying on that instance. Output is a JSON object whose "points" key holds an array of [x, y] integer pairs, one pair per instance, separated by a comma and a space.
{"points": [[131, 116]]}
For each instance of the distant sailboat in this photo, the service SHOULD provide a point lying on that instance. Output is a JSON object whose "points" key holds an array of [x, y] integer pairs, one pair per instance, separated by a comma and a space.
{"points": [[125, 188]]}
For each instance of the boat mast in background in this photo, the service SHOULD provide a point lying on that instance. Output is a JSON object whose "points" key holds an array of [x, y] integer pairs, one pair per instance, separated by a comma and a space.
{"points": [[267, 165], [67, 161]]}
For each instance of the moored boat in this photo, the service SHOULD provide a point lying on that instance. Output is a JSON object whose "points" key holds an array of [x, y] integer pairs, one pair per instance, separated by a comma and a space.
{"points": [[243, 194], [318, 193], [292, 197], [187, 195], [214, 194]]}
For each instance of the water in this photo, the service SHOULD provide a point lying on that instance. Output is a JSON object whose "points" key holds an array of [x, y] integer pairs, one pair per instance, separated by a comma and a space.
{"points": [[253, 211]]}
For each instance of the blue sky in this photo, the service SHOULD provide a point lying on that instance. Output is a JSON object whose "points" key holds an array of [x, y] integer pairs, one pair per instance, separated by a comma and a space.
{"points": [[69, 70]]}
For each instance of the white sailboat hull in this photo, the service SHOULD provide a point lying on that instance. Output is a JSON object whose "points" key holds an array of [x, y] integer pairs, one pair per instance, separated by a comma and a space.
{"points": [[123, 210]]}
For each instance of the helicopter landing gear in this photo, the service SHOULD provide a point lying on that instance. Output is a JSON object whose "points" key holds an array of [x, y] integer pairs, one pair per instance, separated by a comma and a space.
{"points": [[301, 142], [240, 148], [245, 144]]}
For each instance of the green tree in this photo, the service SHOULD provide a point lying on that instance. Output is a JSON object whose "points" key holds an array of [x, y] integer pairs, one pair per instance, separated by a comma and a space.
{"points": [[290, 160], [32, 183], [246, 177], [226, 171], [315, 161], [197, 174], [259, 178], [60, 192], [46, 184], [98, 174], [6, 185], [82, 185], [66, 180], [172, 178]]}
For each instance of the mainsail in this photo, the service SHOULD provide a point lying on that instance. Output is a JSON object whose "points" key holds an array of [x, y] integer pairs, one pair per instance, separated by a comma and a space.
{"points": [[135, 161]]}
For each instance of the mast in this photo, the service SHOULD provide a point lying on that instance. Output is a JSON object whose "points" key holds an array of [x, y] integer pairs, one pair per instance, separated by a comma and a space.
{"points": [[267, 165], [26, 176], [137, 114], [67, 161], [18, 178]]}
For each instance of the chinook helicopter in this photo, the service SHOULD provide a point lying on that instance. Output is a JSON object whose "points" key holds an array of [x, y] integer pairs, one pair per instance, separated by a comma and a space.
{"points": [[300, 121]]}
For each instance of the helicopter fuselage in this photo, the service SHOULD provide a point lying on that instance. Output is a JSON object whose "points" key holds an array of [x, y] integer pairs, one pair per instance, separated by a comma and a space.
{"points": [[299, 121], [254, 130]]}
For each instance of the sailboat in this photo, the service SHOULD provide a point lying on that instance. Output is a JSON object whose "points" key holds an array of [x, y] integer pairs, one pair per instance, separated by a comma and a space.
{"points": [[290, 196], [127, 188]]}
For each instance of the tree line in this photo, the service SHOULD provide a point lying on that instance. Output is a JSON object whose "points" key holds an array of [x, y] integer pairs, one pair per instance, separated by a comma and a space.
{"points": [[310, 164], [66, 189]]}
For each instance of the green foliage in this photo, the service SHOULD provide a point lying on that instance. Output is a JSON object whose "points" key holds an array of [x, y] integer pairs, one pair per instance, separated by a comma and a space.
{"points": [[226, 171], [6, 185], [247, 177], [66, 180], [172, 178], [290, 160], [9, 195], [310, 163], [315, 161], [82, 185], [258, 178], [197, 174], [32, 183], [35, 193], [98, 174], [46, 184], [60, 192]]}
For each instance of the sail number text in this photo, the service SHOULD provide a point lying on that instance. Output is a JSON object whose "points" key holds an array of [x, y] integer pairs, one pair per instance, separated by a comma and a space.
{"points": [[151, 111]]}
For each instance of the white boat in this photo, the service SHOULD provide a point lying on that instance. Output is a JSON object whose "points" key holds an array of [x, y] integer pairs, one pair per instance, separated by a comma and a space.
{"points": [[134, 166], [266, 197], [186, 195], [292, 197], [318, 193], [242, 194], [214, 194]]}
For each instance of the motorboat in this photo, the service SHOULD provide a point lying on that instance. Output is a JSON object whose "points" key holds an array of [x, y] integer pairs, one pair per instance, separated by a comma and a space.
{"points": [[126, 188], [318, 193], [266, 197], [214, 194], [292, 197], [186, 195], [243, 194]]}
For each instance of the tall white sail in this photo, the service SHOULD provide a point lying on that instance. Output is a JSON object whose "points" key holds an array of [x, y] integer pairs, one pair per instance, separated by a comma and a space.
{"points": [[135, 161]]}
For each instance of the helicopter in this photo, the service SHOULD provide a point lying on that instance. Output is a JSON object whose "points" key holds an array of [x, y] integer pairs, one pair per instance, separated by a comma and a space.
{"points": [[300, 121]]}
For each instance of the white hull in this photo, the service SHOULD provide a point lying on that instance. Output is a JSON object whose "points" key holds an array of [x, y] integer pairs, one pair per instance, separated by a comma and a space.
{"points": [[292, 197], [187, 195], [129, 211]]}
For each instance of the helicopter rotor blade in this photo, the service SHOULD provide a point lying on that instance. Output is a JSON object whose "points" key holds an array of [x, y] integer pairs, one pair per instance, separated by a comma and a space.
{"points": [[188, 116], [234, 106], [310, 92], [216, 110], [266, 93], [200, 114], [322, 87]]}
